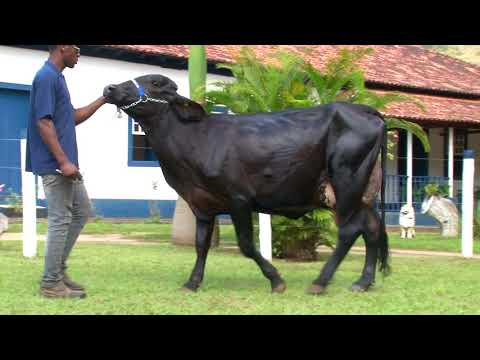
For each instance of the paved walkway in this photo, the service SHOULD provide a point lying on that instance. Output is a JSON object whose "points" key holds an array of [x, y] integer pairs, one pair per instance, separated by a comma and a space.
{"points": [[110, 238], [122, 239]]}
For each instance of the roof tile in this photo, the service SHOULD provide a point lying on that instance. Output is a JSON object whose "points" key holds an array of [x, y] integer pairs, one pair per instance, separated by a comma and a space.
{"points": [[405, 65]]}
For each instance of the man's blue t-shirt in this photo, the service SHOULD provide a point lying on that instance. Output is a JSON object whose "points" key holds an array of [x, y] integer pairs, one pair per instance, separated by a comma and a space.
{"points": [[50, 98]]}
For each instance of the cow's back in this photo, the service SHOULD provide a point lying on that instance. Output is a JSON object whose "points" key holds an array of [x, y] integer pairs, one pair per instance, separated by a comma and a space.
{"points": [[280, 160]]}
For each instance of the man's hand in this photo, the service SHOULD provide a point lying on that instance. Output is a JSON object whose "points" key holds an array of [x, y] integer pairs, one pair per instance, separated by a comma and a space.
{"points": [[69, 170]]}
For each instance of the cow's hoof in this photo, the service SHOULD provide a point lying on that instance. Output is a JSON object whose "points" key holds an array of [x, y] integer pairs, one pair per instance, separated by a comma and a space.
{"points": [[189, 287], [359, 288], [187, 290], [316, 289], [279, 289]]}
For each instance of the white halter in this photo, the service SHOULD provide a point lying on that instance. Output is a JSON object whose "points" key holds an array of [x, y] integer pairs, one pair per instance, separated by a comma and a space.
{"points": [[143, 97]]}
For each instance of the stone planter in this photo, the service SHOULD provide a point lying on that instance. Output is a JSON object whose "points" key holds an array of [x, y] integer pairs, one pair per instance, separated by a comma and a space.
{"points": [[444, 211], [3, 223]]}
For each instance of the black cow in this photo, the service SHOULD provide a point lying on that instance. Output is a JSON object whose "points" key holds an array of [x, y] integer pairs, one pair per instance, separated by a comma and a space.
{"points": [[286, 163]]}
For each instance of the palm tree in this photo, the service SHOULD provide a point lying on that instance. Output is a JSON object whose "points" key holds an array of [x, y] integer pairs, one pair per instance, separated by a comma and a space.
{"points": [[343, 80], [262, 88], [184, 222]]}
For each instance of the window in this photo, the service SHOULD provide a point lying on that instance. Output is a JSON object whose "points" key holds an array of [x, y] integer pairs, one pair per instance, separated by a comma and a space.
{"points": [[460, 142], [140, 152], [221, 109]]}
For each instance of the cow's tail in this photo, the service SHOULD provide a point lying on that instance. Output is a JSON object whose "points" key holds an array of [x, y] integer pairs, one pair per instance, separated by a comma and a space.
{"points": [[383, 253]]}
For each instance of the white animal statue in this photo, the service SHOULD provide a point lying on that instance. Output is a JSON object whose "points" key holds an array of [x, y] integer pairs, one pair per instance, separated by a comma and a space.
{"points": [[407, 221], [444, 211]]}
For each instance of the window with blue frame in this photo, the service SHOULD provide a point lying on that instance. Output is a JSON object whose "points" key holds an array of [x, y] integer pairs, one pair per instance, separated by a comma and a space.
{"points": [[140, 152], [220, 109]]}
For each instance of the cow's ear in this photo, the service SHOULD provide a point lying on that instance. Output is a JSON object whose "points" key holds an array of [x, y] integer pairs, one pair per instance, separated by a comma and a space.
{"points": [[168, 91], [187, 109]]}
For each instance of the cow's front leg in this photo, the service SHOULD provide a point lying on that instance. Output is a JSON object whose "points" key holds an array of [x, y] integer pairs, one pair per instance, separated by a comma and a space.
{"points": [[241, 214], [203, 239]]}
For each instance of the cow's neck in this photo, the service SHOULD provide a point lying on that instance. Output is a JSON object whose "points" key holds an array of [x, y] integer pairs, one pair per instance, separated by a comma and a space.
{"points": [[172, 142]]}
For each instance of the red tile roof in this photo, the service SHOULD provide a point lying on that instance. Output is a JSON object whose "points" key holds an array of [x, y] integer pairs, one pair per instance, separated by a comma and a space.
{"points": [[408, 66], [453, 111], [405, 65]]}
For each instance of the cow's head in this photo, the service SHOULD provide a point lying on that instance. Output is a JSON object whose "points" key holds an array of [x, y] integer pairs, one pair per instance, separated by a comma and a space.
{"points": [[149, 96]]}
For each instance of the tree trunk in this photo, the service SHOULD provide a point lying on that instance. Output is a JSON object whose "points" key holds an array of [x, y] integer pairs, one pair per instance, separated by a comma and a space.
{"points": [[184, 226]]}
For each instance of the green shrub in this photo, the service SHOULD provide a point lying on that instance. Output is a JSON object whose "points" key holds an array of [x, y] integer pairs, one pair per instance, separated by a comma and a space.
{"points": [[299, 239], [433, 189]]}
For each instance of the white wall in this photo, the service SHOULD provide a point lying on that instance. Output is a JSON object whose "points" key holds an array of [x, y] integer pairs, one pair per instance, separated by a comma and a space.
{"points": [[103, 139], [436, 155]]}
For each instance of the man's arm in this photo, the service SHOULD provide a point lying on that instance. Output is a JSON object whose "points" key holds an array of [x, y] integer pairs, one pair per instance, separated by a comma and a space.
{"points": [[48, 134], [84, 113]]}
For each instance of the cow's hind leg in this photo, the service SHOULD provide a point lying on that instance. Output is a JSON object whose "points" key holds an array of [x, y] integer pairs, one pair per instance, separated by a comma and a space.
{"points": [[347, 234], [371, 235], [242, 220], [203, 239]]}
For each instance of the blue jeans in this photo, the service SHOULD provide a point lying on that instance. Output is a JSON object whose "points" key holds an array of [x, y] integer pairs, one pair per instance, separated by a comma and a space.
{"points": [[69, 208]]}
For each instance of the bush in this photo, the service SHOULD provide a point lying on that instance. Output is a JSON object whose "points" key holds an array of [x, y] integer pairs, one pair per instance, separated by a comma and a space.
{"points": [[436, 190], [299, 239]]}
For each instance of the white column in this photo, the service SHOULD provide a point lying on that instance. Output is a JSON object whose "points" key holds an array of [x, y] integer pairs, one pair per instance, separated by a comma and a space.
{"points": [[29, 204], [409, 168], [450, 161], [265, 235], [467, 202]]}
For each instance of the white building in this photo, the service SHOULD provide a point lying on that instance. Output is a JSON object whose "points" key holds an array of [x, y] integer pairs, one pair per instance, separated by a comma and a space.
{"points": [[122, 176]]}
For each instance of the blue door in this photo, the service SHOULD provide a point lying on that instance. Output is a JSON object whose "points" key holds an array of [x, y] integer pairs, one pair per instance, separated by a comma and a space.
{"points": [[14, 108]]}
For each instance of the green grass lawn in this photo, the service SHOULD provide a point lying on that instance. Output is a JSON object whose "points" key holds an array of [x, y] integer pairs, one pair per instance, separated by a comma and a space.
{"points": [[152, 232], [145, 279], [427, 241]]}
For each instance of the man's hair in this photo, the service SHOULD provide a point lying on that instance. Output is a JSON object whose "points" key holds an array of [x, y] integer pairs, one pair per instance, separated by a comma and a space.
{"points": [[52, 48]]}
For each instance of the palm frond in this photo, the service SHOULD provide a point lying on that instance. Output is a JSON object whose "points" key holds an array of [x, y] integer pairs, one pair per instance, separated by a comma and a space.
{"points": [[415, 129]]}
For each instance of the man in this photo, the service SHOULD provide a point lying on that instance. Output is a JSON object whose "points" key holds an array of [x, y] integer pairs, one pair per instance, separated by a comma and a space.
{"points": [[52, 154]]}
